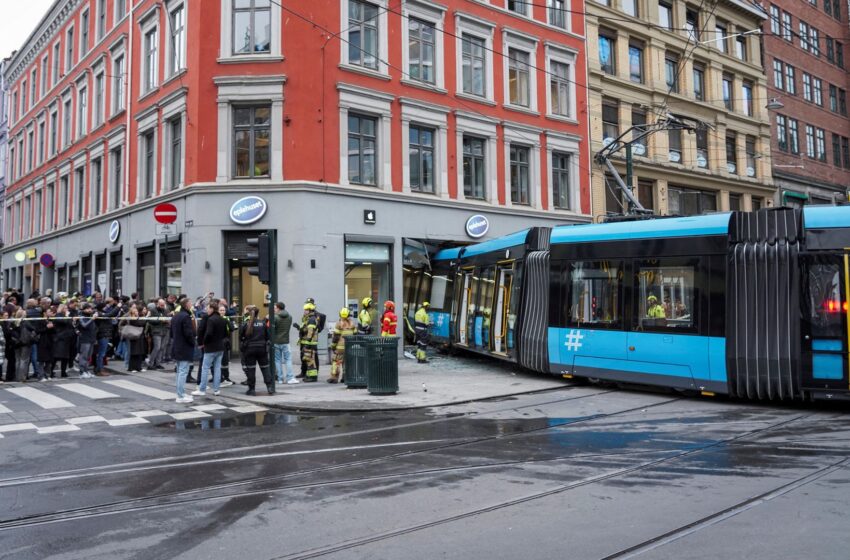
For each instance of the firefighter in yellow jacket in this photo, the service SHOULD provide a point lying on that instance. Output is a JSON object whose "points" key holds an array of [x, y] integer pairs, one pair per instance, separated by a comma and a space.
{"points": [[308, 340], [365, 317], [420, 327], [344, 327]]}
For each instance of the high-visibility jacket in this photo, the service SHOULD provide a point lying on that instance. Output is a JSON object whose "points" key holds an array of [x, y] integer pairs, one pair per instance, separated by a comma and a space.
{"points": [[308, 335], [365, 319], [343, 328], [421, 319], [389, 322], [656, 311]]}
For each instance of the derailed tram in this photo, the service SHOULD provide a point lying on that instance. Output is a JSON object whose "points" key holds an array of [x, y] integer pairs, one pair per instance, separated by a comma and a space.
{"points": [[751, 305]]}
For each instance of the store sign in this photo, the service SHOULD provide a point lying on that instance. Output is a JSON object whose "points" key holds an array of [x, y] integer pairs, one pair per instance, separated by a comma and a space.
{"points": [[248, 210], [32, 254], [477, 226], [114, 231]]}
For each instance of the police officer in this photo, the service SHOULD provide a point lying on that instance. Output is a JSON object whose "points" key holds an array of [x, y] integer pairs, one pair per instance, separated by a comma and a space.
{"points": [[344, 327], [389, 320], [254, 337], [365, 317], [308, 340], [420, 328]]}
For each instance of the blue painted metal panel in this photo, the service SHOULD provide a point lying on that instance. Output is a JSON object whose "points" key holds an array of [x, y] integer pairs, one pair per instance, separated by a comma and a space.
{"points": [[553, 340], [827, 366], [825, 217], [478, 331], [647, 368], [440, 325], [671, 351], [692, 226], [500, 243], [589, 342], [717, 359], [827, 344], [448, 254]]}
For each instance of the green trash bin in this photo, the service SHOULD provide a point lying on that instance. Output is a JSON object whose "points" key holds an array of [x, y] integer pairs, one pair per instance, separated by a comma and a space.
{"points": [[383, 365], [356, 362]]}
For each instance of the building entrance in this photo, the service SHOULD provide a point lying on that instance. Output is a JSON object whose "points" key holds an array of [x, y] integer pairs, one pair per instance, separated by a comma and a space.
{"points": [[368, 273], [241, 288]]}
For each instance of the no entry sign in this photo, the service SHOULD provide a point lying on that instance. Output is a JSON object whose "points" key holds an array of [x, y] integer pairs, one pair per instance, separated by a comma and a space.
{"points": [[165, 213]]}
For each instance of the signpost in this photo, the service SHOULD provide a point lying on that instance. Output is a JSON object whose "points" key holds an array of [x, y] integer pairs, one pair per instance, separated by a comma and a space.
{"points": [[166, 229], [165, 213]]}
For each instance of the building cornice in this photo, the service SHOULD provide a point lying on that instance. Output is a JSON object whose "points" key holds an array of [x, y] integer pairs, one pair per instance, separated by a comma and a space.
{"points": [[54, 19]]}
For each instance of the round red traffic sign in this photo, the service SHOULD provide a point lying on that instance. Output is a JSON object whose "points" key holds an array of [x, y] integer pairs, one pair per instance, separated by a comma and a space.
{"points": [[165, 213]]}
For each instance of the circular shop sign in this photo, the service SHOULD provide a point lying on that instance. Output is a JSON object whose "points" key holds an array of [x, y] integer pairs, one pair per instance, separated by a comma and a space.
{"points": [[477, 226], [114, 231], [248, 210]]}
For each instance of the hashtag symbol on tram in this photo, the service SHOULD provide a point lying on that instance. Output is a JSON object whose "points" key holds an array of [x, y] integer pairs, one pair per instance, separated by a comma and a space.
{"points": [[574, 339]]}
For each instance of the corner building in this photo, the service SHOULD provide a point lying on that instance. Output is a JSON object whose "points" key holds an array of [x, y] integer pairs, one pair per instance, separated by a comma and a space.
{"points": [[365, 132], [692, 60]]}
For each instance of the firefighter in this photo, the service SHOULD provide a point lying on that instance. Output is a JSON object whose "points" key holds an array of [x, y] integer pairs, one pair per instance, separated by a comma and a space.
{"points": [[654, 309], [365, 317], [420, 327], [344, 327], [389, 320], [308, 340]]}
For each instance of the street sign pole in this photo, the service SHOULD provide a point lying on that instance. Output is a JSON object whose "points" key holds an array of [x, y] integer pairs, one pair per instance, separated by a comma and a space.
{"points": [[272, 299]]}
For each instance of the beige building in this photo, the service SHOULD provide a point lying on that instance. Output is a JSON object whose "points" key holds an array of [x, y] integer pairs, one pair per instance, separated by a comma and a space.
{"points": [[693, 60]]}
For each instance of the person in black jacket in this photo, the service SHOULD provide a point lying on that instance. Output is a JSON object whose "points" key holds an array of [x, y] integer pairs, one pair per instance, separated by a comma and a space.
{"points": [[87, 331], [211, 339], [253, 340], [63, 340], [35, 320], [182, 346], [105, 330]]}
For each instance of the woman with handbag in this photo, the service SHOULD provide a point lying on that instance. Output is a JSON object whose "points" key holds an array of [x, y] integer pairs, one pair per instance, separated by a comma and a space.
{"points": [[133, 331]]}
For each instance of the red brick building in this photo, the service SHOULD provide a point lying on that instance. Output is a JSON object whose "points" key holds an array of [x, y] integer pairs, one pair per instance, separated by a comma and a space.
{"points": [[422, 113], [805, 46]]}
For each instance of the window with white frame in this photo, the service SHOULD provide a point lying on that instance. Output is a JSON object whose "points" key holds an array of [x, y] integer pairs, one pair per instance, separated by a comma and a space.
{"points": [[520, 87], [177, 38], [251, 26], [118, 77], [474, 62], [120, 10], [33, 87], [252, 141], [474, 167], [474, 42], [561, 76], [49, 206], [421, 50], [96, 189], [174, 155], [79, 193], [561, 180], [557, 13], [362, 149], [82, 110], [69, 49], [150, 56], [99, 93], [520, 174], [147, 169], [101, 19], [518, 6], [55, 67], [45, 67], [364, 34], [64, 200], [66, 122], [30, 149], [775, 27], [36, 219], [421, 158], [116, 176], [42, 140], [807, 86], [817, 91], [24, 104], [477, 144]]}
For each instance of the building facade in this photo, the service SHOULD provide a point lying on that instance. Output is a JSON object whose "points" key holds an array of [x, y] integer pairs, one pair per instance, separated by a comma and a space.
{"points": [[804, 46], [682, 62], [4, 139], [358, 130]]}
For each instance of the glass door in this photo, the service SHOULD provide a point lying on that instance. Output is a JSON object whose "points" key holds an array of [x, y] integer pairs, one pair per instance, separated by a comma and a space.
{"points": [[825, 329], [504, 282], [464, 302]]}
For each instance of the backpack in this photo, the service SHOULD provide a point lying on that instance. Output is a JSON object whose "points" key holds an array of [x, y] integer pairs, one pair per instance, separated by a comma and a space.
{"points": [[321, 318], [28, 335]]}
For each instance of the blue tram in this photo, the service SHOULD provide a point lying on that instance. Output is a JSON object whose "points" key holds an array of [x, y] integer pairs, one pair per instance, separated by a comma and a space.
{"points": [[753, 305]]}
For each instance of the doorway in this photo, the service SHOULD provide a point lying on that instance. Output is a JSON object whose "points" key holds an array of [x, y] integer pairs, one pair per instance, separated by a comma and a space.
{"points": [[241, 288], [368, 273]]}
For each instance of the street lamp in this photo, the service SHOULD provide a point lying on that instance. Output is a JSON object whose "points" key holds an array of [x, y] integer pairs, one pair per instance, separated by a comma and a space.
{"points": [[774, 104]]}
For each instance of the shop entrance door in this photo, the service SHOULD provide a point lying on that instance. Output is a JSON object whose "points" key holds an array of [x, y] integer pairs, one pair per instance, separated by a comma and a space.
{"points": [[245, 289], [368, 274]]}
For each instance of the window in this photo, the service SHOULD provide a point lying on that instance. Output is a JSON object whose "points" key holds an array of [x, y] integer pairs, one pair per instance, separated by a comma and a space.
{"points": [[30, 149], [175, 154], [607, 52], [474, 63], [148, 164], [830, 49], [839, 54], [842, 101], [363, 34], [251, 26], [41, 141], [84, 33], [833, 98], [33, 88], [731, 152], [665, 298], [699, 82], [836, 150], [23, 98], [118, 84], [252, 141], [44, 69], [646, 194], [120, 9], [82, 110], [54, 72], [671, 72], [421, 50], [559, 88], [177, 44], [787, 34], [821, 140], [734, 202], [817, 88], [519, 87], [66, 123], [595, 294], [64, 201], [149, 63], [362, 143], [421, 154], [702, 148], [630, 7], [610, 120], [774, 20], [116, 179], [720, 36], [99, 92], [807, 87], [558, 14], [101, 19], [781, 132], [810, 141], [814, 41], [747, 98], [96, 186], [750, 151], [69, 49], [845, 152], [778, 75], [793, 136], [474, 167], [518, 6], [665, 15], [636, 62], [561, 180], [79, 194], [804, 35], [674, 138], [690, 202], [741, 46], [692, 24], [54, 131], [49, 212], [520, 157], [639, 125], [790, 80]]}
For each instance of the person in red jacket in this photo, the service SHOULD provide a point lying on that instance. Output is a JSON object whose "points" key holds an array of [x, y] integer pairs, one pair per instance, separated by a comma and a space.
{"points": [[389, 320]]}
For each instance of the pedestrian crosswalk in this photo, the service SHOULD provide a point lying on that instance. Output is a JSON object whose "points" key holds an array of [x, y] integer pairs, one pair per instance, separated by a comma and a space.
{"points": [[113, 402]]}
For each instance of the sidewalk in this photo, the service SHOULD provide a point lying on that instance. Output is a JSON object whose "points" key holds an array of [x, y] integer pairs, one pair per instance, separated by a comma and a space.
{"points": [[443, 381]]}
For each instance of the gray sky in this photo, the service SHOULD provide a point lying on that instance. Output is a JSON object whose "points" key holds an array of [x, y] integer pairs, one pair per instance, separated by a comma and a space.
{"points": [[18, 19]]}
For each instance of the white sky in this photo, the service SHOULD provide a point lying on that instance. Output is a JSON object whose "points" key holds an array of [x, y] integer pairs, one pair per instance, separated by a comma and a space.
{"points": [[18, 19]]}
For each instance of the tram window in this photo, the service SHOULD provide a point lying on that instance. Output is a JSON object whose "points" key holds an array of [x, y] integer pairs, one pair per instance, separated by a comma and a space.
{"points": [[825, 301], [441, 288], [595, 292], [665, 296]]}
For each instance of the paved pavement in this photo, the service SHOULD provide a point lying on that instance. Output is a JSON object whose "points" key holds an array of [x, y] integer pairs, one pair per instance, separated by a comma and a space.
{"points": [[443, 381]]}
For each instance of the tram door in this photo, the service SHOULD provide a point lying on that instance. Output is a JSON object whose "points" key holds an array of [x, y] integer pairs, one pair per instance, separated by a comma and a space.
{"points": [[824, 328], [464, 301], [504, 283]]}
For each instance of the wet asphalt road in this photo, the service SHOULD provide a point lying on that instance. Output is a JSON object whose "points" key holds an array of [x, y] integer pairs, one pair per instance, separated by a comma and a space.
{"points": [[578, 473]]}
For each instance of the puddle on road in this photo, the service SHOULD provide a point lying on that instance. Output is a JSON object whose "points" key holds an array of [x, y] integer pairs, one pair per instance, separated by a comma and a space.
{"points": [[249, 420]]}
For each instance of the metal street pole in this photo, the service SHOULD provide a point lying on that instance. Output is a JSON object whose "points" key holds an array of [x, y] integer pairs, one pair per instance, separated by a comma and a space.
{"points": [[272, 234]]}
